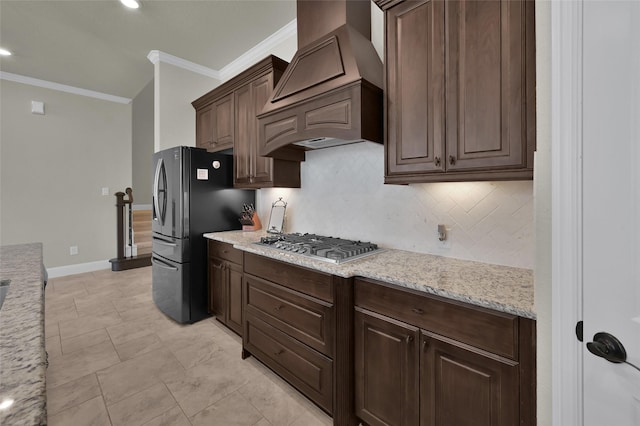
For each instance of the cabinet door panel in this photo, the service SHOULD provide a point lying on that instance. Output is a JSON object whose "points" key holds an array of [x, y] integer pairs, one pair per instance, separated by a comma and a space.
{"points": [[224, 123], [217, 283], [244, 135], [234, 297], [307, 319], [386, 370], [204, 127], [462, 386], [485, 54], [304, 368], [415, 87], [262, 166]]}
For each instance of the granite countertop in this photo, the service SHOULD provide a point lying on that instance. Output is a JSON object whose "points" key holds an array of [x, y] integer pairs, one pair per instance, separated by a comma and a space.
{"points": [[502, 288], [22, 344]]}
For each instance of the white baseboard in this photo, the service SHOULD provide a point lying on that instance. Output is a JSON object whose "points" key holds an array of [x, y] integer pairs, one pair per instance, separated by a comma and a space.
{"points": [[63, 271]]}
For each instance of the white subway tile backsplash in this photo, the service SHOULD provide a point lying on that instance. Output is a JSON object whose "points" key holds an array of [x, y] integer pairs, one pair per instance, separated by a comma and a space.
{"points": [[343, 194]]}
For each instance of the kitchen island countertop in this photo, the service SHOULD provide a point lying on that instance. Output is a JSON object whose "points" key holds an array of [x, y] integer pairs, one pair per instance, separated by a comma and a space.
{"points": [[22, 341], [502, 288]]}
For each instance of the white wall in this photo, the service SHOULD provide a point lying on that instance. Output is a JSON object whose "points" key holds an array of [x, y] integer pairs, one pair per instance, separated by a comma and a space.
{"points": [[142, 144], [286, 49], [53, 168], [542, 195], [175, 118], [343, 194]]}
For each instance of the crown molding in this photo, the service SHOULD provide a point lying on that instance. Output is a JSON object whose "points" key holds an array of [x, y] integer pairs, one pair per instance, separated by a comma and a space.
{"points": [[156, 56], [62, 87], [250, 57], [259, 51], [245, 60]]}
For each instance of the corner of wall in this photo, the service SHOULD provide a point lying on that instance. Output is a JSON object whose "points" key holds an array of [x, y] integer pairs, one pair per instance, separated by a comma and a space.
{"points": [[542, 197]]}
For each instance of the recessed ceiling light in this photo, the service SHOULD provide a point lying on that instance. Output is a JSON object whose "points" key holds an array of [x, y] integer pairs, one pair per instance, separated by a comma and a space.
{"points": [[4, 52], [133, 4]]}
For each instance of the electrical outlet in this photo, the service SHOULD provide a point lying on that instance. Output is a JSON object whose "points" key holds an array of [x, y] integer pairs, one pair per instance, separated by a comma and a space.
{"points": [[446, 242], [73, 250]]}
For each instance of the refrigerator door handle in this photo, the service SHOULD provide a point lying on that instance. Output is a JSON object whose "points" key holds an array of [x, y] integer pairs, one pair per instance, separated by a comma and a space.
{"points": [[158, 214], [162, 264]]}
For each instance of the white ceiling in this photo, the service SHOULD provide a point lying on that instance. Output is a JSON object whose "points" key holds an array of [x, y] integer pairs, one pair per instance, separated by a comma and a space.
{"points": [[101, 45]]}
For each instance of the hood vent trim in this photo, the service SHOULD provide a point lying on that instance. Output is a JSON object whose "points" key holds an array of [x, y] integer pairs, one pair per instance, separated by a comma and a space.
{"points": [[328, 51], [330, 90]]}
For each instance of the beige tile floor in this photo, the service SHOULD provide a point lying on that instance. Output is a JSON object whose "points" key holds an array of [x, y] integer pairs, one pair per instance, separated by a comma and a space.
{"points": [[115, 359]]}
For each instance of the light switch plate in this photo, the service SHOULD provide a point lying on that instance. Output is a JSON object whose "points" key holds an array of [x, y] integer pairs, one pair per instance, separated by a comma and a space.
{"points": [[37, 107], [105, 191]]}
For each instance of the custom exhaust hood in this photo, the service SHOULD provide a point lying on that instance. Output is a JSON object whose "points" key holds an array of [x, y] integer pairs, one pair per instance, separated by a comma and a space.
{"points": [[331, 92]]}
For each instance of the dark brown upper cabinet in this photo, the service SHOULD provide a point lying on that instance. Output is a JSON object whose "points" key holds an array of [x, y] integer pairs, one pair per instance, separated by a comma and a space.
{"points": [[214, 125], [226, 118], [460, 90]]}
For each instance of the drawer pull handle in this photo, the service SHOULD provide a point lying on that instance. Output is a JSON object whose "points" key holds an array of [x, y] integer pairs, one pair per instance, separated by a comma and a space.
{"points": [[409, 339], [279, 307], [280, 352], [417, 311]]}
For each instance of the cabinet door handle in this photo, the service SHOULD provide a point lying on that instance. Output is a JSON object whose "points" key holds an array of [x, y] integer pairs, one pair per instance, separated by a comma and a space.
{"points": [[452, 160], [220, 266], [417, 311], [279, 307], [425, 344], [409, 338], [437, 161], [280, 352]]}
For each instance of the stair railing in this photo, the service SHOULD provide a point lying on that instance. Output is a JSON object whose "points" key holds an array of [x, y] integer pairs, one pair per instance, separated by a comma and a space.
{"points": [[123, 208]]}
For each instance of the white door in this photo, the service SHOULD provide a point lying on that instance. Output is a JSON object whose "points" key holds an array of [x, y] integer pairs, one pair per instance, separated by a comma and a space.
{"points": [[611, 207]]}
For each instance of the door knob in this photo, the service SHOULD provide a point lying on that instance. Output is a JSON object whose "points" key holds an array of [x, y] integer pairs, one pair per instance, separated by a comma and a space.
{"points": [[608, 347]]}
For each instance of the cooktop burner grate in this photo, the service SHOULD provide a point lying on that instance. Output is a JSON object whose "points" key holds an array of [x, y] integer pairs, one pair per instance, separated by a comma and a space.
{"points": [[328, 249]]}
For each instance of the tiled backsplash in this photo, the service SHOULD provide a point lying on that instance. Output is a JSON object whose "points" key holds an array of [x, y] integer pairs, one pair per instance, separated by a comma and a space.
{"points": [[343, 195]]}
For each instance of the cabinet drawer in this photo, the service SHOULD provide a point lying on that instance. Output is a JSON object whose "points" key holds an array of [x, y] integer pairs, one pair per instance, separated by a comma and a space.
{"points": [[225, 251], [308, 320], [493, 331], [305, 280], [306, 369]]}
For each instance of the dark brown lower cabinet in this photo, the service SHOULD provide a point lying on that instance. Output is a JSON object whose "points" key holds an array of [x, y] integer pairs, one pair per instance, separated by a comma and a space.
{"points": [[407, 372], [386, 370], [299, 323], [216, 287], [225, 284], [462, 386], [234, 297]]}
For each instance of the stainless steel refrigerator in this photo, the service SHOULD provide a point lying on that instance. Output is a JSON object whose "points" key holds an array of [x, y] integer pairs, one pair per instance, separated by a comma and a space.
{"points": [[192, 194]]}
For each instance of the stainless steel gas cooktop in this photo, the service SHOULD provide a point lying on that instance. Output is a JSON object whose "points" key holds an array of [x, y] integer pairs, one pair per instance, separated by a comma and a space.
{"points": [[328, 249]]}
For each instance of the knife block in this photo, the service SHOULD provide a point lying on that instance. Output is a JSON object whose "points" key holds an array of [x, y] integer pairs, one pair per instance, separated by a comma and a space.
{"points": [[257, 225]]}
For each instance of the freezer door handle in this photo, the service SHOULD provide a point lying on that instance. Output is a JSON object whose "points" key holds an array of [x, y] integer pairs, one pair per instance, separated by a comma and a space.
{"points": [[165, 243], [159, 263]]}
